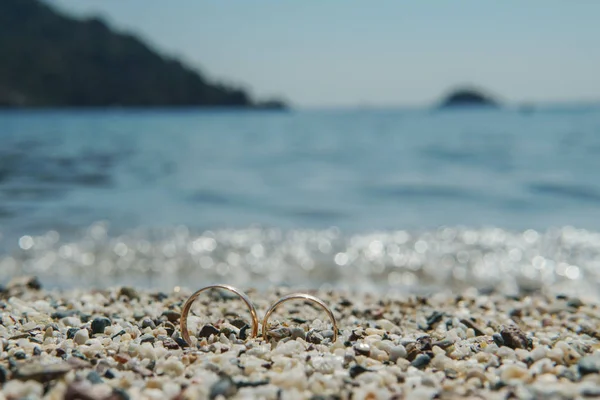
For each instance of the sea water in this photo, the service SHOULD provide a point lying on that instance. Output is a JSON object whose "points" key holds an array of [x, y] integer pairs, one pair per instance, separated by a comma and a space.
{"points": [[415, 200]]}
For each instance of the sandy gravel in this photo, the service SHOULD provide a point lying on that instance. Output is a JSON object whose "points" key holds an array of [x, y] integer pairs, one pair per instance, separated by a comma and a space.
{"points": [[125, 343]]}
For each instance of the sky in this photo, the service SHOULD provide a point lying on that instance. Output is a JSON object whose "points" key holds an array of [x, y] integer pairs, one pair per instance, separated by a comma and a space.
{"points": [[374, 53]]}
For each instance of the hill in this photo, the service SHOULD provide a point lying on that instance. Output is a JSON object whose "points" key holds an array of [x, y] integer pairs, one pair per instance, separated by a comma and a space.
{"points": [[48, 59]]}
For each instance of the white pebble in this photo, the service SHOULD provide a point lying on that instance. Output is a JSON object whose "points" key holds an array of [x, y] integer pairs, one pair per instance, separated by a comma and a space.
{"points": [[555, 354], [81, 336], [15, 389], [294, 378], [397, 352], [71, 321], [171, 367], [514, 373], [385, 345], [538, 353], [387, 325]]}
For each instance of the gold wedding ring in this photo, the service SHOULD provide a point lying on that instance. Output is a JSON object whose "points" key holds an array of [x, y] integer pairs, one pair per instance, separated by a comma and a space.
{"points": [[188, 304], [302, 296]]}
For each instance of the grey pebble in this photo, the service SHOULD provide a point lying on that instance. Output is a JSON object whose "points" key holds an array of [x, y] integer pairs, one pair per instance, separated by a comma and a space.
{"points": [[78, 354], [119, 394], [120, 333], [208, 330], [443, 344], [589, 365], [64, 314], [238, 323], [94, 377], [42, 373], [356, 370], [327, 334], [71, 332], [433, 319], [3, 375], [129, 292], [223, 387], [498, 339], [421, 361], [100, 324], [575, 302], [280, 333], [148, 323], [242, 384], [227, 331], [243, 335], [137, 315], [591, 392], [172, 316], [314, 337], [297, 332], [19, 336], [147, 338], [451, 373], [182, 343]]}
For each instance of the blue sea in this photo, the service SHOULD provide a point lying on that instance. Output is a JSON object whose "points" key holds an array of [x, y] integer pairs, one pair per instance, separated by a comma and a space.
{"points": [[412, 199]]}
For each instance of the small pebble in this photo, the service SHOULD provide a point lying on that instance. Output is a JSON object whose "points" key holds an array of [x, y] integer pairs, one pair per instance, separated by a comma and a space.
{"points": [[362, 349], [512, 372], [224, 387], [42, 372], [172, 316], [589, 365], [238, 323], [147, 338], [94, 378], [100, 324], [3, 375], [515, 338], [81, 336], [421, 361], [129, 292], [71, 332], [297, 332], [148, 323], [207, 331], [356, 370], [397, 352]]}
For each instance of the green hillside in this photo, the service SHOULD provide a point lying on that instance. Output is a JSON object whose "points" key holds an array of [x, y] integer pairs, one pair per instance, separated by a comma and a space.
{"points": [[51, 60]]}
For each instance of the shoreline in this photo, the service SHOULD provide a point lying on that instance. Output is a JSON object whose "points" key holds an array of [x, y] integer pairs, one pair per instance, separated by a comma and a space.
{"points": [[124, 343]]}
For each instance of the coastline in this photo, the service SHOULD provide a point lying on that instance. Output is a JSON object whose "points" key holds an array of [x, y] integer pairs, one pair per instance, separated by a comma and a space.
{"points": [[125, 343]]}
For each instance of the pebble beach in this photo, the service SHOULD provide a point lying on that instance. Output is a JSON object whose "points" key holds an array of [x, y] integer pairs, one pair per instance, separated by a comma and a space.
{"points": [[125, 343]]}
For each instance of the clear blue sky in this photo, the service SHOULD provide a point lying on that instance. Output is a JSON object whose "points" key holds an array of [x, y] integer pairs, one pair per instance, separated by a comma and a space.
{"points": [[384, 52]]}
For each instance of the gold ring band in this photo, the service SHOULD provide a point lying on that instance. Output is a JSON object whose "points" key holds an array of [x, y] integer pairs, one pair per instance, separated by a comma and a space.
{"points": [[302, 296], [188, 304]]}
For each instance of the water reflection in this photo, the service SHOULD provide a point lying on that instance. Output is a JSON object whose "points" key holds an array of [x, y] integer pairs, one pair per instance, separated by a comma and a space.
{"points": [[449, 258]]}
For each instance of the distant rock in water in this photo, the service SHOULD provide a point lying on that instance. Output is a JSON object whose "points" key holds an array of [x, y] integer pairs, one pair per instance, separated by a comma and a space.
{"points": [[468, 98], [48, 59]]}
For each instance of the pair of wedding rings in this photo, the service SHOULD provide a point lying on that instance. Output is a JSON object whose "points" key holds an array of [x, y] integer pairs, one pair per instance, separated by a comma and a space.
{"points": [[303, 296]]}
